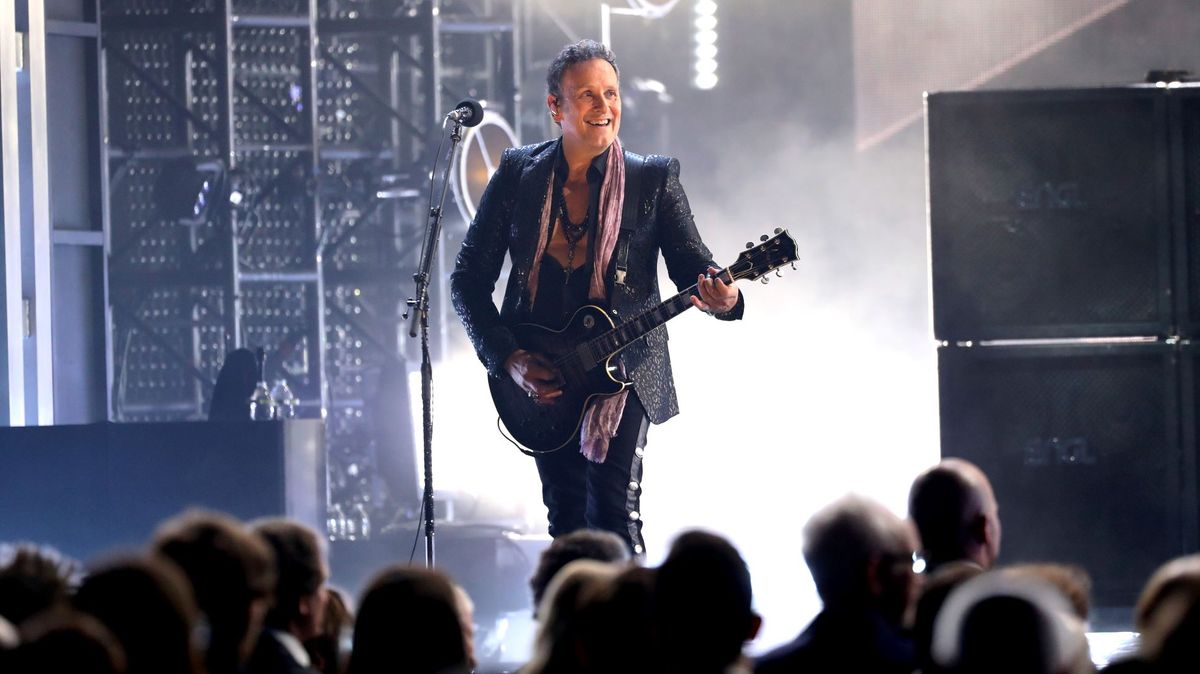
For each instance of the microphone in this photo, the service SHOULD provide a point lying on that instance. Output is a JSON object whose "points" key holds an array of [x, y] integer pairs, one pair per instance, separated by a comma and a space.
{"points": [[467, 113]]}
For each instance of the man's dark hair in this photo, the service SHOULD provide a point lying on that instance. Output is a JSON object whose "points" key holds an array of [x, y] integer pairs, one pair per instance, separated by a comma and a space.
{"points": [[63, 640], [580, 52], [408, 613], [703, 598], [298, 565], [32, 579], [229, 568], [602, 546], [148, 606]]}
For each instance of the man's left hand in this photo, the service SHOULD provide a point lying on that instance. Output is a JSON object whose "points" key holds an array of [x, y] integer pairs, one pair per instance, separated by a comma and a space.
{"points": [[716, 296]]}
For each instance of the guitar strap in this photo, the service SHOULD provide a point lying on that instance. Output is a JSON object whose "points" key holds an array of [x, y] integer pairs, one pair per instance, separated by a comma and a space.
{"points": [[629, 214]]}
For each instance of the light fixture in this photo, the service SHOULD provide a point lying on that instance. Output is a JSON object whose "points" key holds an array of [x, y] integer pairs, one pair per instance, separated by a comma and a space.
{"points": [[704, 38]]}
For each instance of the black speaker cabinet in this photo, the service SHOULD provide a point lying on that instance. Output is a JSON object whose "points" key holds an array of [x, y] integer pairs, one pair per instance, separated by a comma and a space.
{"points": [[1049, 213], [1083, 446], [1185, 113]]}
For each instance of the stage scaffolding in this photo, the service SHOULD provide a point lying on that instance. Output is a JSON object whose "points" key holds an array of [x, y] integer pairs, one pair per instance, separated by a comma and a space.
{"points": [[267, 167]]}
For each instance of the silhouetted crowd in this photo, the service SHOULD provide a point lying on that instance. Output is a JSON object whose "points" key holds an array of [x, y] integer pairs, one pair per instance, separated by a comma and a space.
{"points": [[211, 595]]}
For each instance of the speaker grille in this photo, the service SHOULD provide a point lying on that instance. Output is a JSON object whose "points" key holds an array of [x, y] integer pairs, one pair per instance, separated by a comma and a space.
{"points": [[1048, 214], [1082, 446]]}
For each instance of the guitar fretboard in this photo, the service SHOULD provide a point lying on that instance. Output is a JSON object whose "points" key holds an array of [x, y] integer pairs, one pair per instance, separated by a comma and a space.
{"points": [[611, 342]]}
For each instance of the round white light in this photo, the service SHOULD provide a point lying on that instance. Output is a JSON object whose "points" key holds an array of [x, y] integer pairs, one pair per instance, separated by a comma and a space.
{"points": [[708, 22], [706, 37], [705, 7], [705, 80], [706, 66], [706, 51]]}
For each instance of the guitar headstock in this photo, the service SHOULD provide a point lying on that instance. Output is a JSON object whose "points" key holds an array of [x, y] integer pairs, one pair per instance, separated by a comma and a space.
{"points": [[770, 254]]}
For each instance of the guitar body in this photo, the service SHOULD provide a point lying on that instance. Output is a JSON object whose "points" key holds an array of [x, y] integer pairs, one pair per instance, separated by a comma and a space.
{"points": [[545, 428], [583, 351]]}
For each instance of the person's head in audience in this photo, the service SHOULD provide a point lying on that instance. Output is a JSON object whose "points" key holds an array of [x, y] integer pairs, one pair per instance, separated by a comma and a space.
{"points": [[300, 575], [602, 546], [956, 514], [861, 555], [1168, 616], [559, 645], [466, 618], [1072, 580], [622, 612], [1179, 575], [934, 591], [32, 579], [325, 650], [408, 621], [63, 640], [703, 597], [232, 574], [1000, 623], [147, 604]]}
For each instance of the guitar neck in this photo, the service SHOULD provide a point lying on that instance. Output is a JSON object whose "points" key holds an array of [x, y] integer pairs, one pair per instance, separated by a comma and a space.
{"points": [[613, 341]]}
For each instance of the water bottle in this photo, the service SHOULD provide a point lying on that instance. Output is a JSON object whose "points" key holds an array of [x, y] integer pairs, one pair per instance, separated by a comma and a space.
{"points": [[335, 523], [285, 400], [262, 405], [364, 520]]}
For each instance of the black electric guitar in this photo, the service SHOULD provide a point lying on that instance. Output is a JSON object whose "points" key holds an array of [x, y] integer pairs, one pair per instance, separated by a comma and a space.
{"points": [[584, 348]]}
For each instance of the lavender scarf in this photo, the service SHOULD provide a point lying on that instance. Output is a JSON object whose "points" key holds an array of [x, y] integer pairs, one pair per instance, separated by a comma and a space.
{"points": [[603, 414]]}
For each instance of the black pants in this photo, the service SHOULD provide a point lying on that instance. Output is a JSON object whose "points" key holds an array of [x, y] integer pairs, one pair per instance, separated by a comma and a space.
{"points": [[580, 494]]}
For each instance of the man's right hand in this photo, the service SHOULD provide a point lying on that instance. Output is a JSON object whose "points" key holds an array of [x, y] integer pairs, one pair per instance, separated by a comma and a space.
{"points": [[536, 375]]}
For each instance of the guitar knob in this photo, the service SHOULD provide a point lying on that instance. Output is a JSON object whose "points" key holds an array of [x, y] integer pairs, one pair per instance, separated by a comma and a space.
{"points": [[765, 280], [764, 237], [749, 244], [779, 273], [793, 265], [779, 230]]}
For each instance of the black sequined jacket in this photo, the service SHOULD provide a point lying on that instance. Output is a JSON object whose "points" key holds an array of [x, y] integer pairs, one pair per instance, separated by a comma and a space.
{"points": [[507, 223]]}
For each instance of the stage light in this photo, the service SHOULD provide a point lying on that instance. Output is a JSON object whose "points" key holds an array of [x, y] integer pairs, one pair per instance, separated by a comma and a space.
{"points": [[705, 80], [704, 56]]}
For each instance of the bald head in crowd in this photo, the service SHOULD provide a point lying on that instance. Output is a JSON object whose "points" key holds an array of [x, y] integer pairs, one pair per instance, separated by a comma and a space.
{"points": [[955, 512], [860, 556]]}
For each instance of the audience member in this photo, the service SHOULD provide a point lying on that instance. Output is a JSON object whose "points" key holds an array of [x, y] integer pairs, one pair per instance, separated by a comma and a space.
{"points": [[63, 640], [1071, 580], [559, 645], [329, 651], [602, 546], [934, 591], [622, 611], [1167, 616], [408, 621], [703, 596], [32, 579], [299, 606], [231, 572], [955, 512], [860, 556], [466, 617], [147, 605], [998, 623]]}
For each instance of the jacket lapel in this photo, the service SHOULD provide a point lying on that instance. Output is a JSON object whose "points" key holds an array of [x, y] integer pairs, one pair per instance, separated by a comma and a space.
{"points": [[531, 194]]}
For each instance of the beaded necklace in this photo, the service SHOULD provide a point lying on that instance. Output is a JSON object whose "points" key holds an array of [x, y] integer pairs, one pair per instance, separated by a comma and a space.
{"points": [[573, 233]]}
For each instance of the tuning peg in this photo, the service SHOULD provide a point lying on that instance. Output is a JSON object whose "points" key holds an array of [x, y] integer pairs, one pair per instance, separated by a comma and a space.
{"points": [[779, 230], [749, 244], [793, 265], [764, 237], [779, 273], [765, 280]]}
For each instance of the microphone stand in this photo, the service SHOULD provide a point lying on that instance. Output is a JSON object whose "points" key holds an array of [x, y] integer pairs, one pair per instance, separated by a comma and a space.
{"points": [[419, 308]]}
